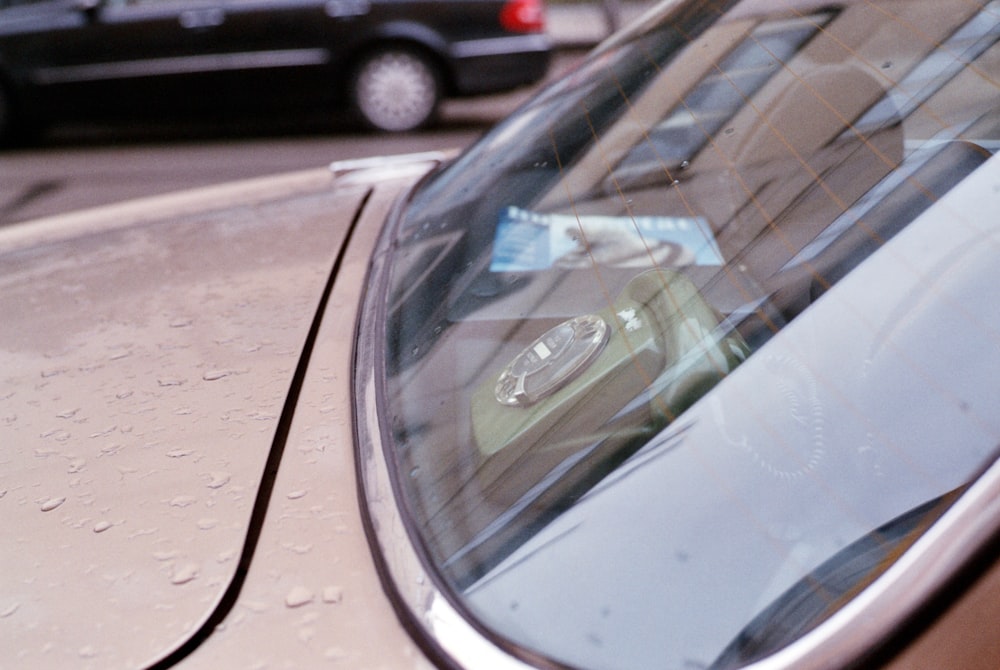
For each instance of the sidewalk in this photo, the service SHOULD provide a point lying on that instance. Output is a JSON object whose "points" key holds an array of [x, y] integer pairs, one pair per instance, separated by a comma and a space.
{"points": [[582, 24]]}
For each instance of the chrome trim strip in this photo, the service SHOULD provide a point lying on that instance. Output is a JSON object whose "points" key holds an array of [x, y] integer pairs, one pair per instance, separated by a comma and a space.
{"points": [[857, 630], [919, 574], [499, 46], [416, 595], [392, 163], [426, 604], [181, 65], [854, 631]]}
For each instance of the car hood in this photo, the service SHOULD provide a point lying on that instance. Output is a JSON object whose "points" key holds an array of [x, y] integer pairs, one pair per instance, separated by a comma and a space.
{"points": [[147, 352]]}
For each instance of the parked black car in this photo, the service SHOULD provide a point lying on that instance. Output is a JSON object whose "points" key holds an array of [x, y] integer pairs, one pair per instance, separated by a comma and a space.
{"points": [[391, 62]]}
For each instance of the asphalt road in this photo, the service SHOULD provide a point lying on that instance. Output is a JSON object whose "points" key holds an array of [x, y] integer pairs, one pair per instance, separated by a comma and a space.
{"points": [[64, 177], [74, 168], [85, 167]]}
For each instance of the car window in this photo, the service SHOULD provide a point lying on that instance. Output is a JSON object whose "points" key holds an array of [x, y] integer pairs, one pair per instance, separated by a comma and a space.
{"points": [[687, 352]]}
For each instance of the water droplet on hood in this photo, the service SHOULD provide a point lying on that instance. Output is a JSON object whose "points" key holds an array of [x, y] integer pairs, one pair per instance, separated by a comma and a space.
{"points": [[182, 501], [185, 574], [333, 594], [213, 375], [298, 548], [101, 526], [298, 596], [218, 479], [254, 605], [52, 503], [111, 449]]}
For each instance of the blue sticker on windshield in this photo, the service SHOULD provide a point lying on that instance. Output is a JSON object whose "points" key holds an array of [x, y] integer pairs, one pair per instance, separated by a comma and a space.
{"points": [[527, 241]]}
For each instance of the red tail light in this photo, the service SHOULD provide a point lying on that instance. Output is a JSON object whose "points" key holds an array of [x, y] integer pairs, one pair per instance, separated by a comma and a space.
{"points": [[523, 16]]}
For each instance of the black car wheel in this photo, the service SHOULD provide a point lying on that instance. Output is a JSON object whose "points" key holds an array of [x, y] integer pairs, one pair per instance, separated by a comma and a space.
{"points": [[396, 89]]}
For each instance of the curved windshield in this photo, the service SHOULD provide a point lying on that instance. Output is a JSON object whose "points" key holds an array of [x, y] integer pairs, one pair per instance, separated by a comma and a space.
{"points": [[682, 355]]}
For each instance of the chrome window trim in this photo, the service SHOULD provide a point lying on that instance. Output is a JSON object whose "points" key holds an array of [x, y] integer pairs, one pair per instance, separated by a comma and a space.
{"points": [[446, 635], [850, 636], [181, 65], [498, 46], [948, 546], [855, 631], [454, 640]]}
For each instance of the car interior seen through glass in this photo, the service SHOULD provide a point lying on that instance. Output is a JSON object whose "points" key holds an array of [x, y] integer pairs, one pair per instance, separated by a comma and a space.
{"points": [[683, 355]]}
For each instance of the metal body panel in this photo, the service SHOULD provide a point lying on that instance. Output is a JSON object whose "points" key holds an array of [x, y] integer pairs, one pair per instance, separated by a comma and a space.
{"points": [[312, 595], [146, 353]]}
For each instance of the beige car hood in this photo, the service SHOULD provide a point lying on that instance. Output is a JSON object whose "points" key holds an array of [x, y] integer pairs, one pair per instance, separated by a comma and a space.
{"points": [[146, 353]]}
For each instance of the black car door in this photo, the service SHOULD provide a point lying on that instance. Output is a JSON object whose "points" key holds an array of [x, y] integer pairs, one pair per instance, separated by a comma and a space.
{"points": [[115, 57], [283, 51]]}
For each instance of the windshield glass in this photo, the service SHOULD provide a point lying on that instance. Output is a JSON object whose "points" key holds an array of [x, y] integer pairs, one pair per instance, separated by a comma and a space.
{"points": [[683, 354]]}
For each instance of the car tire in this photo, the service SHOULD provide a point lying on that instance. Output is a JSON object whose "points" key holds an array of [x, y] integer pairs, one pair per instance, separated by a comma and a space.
{"points": [[396, 89]]}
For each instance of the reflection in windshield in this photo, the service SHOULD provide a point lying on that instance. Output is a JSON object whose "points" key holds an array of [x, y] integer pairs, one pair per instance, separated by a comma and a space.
{"points": [[628, 410]]}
